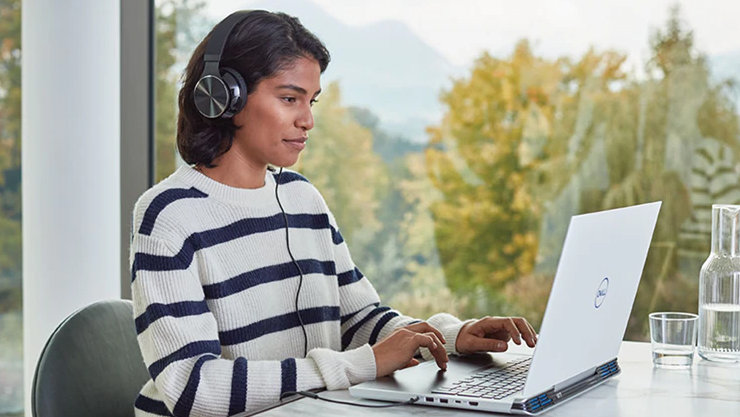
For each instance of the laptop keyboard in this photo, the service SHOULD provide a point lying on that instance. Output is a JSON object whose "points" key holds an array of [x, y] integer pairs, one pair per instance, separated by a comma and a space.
{"points": [[491, 383]]}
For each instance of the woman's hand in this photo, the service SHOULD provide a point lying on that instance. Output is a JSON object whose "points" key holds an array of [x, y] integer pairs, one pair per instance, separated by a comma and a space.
{"points": [[398, 349], [492, 334]]}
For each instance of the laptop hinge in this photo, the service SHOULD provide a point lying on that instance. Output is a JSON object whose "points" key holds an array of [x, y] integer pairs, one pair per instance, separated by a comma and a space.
{"points": [[570, 381]]}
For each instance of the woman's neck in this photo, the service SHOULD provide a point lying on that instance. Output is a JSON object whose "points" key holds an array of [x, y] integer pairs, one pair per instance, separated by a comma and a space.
{"points": [[234, 171]]}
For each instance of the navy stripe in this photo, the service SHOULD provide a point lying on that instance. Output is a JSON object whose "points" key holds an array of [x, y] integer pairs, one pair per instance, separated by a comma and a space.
{"points": [[350, 277], [336, 237], [379, 326], [185, 402], [350, 333], [236, 230], [348, 316], [148, 262], [152, 406], [238, 400], [267, 274], [156, 311], [188, 351], [163, 200], [288, 176], [277, 324], [288, 375]]}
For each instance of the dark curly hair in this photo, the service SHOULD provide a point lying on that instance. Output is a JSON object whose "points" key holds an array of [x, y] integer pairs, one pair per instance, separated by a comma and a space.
{"points": [[261, 45]]}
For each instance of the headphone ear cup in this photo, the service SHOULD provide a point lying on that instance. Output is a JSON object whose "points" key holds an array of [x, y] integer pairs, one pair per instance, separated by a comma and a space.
{"points": [[238, 91], [211, 96]]}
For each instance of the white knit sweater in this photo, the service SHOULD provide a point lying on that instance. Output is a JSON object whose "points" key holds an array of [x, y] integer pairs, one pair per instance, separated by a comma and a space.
{"points": [[214, 293]]}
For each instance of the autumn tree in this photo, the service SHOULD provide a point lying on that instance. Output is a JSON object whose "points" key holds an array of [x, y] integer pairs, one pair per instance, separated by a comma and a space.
{"points": [[527, 142], [480, 158], [10, 155]]}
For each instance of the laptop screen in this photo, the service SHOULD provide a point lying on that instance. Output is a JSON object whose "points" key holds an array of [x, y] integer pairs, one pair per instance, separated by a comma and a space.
{"points": [[592, 294]]}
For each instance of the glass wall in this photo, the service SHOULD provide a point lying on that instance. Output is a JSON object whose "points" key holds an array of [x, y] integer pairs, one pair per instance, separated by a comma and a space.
{"points": [[461, 140], [11, 317]]}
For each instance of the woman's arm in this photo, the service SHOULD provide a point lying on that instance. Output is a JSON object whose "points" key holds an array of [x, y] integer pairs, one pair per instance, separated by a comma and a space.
{"points": [[365, 320], [179, 340]]}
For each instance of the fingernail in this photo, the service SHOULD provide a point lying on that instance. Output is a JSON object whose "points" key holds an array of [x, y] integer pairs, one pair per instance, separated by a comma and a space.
{"points": [[434, 345]]}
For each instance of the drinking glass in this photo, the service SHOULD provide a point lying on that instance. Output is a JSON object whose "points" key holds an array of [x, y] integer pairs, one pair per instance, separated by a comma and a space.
{"points": [[673, 338]]}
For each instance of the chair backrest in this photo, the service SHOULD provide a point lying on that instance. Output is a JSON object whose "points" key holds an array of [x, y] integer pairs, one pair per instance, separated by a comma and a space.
{"points": [[91, 365]]}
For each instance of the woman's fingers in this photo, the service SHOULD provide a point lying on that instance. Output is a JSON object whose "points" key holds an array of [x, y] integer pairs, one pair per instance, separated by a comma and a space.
{"points": [[425, 327], [504, 327], [436, 348], [398, 349], [526, 330], [412, 362], [482, 344]]}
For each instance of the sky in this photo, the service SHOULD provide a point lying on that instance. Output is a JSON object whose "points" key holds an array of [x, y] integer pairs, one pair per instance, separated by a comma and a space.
{"points": [[462, 29]]}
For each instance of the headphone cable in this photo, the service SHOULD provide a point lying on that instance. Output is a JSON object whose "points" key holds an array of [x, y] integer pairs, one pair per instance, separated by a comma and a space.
{"points": [[315, 396], [292, 258]]}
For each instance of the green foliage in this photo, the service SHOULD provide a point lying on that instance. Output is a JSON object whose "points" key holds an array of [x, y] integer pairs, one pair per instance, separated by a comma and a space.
{"points": [[480, 158], [10, 155], [390, 148], [10, 86], [178, 26], [526, 140], [474, 223], [339, 161]]}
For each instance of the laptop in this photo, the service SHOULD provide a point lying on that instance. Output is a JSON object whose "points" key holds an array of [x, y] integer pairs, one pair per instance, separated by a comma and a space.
{"points": [[586, 315]]}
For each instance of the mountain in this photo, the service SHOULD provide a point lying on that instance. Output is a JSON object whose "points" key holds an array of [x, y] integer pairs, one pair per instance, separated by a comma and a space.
{"points": [[383, 67]]}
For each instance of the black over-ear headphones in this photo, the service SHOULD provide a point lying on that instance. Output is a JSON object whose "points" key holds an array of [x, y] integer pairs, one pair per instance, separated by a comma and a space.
{"points": [[220, 92]]}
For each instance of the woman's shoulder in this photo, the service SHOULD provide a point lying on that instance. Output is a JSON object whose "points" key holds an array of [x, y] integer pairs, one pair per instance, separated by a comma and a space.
{"points": [[152, 204], [294, 181], [287, 176], [169, 188]]}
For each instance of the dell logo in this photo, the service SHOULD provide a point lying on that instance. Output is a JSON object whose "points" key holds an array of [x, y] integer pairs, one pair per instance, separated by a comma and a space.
{"points": [[601, 292]]}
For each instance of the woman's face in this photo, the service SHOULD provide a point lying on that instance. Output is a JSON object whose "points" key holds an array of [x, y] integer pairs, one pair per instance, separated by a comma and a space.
{"points": [[277, 117]]}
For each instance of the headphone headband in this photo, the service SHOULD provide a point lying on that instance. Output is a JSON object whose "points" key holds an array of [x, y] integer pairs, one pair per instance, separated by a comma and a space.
{"points": [[220, 92], [217, 42]]}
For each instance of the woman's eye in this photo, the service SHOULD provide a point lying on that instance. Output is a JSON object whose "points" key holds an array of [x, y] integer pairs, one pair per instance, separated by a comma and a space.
{"points": [[289, 99], [314, 101]]}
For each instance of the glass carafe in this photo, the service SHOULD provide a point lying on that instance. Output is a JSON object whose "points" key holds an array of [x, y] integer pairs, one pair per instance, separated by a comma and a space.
{"points": [[719, 289]]}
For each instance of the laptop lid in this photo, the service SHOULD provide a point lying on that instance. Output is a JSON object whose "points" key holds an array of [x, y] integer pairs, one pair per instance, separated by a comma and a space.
{"points": [[592, 294]]}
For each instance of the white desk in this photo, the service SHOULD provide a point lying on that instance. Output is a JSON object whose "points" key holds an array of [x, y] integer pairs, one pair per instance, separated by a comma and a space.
{"points": [[707, 389]]}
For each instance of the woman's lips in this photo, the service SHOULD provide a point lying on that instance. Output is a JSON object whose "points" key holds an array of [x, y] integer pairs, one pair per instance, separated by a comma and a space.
{"points": [[298, 143]]}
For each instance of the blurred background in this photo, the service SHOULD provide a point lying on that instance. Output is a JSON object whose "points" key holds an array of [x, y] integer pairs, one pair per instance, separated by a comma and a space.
{"points": [[453, 141]]}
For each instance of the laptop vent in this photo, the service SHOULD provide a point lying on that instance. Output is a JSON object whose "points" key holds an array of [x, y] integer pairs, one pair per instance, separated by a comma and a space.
{"points": [[607, 369], [542, 401]]}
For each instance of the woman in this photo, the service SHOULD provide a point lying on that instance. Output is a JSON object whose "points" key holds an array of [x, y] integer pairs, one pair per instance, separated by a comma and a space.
{"points": [[242, 284]]}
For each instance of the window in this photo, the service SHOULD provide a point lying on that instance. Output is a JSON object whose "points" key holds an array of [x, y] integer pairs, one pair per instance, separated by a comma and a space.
{"points": [[11, 317], [461, 140]]}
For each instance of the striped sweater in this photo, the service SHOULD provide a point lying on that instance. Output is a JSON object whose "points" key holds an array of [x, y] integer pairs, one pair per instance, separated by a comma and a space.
{"points": [[214, 292]]}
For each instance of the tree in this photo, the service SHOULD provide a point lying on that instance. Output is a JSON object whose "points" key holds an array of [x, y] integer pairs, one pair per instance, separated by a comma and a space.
{"points": [[526, 143], [480, 158], [10, 155], [179, 25], [340, 162]]}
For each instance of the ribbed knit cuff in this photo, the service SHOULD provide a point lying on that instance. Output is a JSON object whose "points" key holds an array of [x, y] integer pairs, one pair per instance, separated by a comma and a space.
{"points": [[342, 369], [449, 326]]}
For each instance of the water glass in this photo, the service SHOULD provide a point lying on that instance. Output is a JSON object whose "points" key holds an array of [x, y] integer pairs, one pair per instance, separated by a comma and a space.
{"points": [[673, 337]]}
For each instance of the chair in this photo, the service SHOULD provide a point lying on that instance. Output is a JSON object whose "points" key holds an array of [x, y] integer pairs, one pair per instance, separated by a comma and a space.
{"points": [[91, 365]]}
